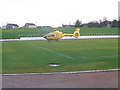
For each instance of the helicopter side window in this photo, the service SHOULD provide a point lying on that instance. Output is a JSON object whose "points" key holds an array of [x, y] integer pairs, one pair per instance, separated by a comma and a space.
{"points": [[52, 35]]}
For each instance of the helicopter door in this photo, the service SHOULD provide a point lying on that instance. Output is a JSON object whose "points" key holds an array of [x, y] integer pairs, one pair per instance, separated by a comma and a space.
{"points": [[57, 36]]}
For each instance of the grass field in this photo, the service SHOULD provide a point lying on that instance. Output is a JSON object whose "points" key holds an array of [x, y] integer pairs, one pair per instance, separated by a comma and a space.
{"points": [[72, 55], [17, 33]]}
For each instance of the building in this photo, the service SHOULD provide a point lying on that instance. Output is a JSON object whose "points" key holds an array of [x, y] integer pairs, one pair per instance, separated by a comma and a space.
{"points": [[46, 26], [30, 25], [67, 25], [11, 26], [84, 25], [3, 27]]}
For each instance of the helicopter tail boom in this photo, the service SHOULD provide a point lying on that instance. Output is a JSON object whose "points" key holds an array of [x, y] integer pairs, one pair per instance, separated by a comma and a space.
{"points": [[68, 35], [76, 33]]}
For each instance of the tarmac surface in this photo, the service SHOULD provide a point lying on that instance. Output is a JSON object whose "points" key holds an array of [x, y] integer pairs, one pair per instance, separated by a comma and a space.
{"points": [[83, 80]]}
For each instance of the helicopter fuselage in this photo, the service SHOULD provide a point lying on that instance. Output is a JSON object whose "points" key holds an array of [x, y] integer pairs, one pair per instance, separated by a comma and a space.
{"points": [[57, 35]]}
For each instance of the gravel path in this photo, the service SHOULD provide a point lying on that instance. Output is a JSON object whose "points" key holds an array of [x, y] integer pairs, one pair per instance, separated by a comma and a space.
{"points": [[84, 80]]}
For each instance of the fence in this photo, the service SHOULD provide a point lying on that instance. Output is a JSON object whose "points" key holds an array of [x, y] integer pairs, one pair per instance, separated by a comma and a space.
{"points": [[30, 35], [83, 34], [99, 34]]}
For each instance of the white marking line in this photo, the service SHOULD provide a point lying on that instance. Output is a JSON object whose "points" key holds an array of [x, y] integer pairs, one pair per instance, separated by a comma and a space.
{"points": [[52, 51], [53, 73]]}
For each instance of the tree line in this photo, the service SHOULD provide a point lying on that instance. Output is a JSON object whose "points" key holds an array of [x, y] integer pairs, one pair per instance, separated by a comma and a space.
{"points": [[100, 23]]}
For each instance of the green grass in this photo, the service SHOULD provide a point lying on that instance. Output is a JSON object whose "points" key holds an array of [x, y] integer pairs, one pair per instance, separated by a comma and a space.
{"points": [[72, 55], [39, 32]]}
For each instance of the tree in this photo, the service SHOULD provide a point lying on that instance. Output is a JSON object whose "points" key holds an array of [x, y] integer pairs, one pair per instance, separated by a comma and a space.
{"points": [[114, 23], [78, 23], [104, 18]]}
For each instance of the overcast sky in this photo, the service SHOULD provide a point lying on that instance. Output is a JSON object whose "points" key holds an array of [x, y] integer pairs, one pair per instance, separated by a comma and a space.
{"points": [[55, 12]]}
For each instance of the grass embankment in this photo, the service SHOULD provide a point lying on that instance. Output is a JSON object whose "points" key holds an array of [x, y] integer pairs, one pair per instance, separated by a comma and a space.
{"points": [[39, 32]]}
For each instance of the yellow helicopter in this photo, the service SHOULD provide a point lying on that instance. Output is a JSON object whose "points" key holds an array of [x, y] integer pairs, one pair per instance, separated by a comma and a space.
{"points": [[57, 35]]}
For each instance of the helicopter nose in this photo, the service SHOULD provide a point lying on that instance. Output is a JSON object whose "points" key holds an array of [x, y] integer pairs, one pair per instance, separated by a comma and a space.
{"points": [[45, 36]]}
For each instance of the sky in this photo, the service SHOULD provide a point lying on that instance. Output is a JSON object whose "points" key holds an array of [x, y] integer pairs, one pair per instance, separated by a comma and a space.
{"points": [[56, 12]]}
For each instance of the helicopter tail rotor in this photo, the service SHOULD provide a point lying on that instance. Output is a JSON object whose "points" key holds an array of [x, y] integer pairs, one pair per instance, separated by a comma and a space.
{"points": [[76, 34]]}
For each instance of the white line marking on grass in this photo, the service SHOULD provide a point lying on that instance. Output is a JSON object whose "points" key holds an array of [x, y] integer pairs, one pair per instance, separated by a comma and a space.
{"points": [[52, 51], [55, 73], [56, 53]]}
